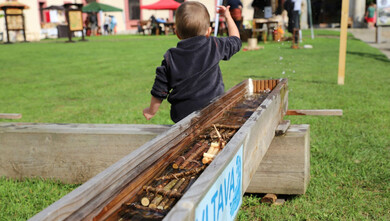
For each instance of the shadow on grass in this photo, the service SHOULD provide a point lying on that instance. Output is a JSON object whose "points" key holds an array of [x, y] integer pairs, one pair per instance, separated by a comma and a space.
{"points": [[370, 55]]}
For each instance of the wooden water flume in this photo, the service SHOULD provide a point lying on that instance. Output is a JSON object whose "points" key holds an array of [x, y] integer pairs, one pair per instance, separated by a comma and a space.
{"points": [[159, 178], [157, 198]]}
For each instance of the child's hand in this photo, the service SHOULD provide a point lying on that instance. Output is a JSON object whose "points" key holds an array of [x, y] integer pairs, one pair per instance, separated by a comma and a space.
{"points": [[223, 11], [148, 114]]}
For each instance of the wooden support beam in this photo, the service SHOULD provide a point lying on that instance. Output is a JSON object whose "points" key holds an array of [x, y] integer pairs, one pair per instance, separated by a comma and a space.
{"points": [[72, 153], [10, 116], [324, 112], [285, 168]]}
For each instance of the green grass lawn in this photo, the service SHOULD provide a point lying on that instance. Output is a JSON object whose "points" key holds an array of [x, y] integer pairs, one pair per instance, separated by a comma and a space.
{"points": [[108, 80]]}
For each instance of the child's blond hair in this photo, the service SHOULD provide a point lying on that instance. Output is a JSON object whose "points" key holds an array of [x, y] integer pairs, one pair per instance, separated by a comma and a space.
{"points": [[192, 19]]}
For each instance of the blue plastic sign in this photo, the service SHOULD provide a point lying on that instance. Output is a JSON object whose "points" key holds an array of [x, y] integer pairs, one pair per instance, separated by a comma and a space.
{"points": [[224, 198]]}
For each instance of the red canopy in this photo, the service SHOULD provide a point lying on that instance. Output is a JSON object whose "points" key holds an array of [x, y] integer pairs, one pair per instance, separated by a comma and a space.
{"points": [[162, 5]]}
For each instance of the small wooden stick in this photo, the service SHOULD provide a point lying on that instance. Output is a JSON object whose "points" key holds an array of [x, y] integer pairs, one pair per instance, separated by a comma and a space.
{"points": [[274, 83], [210, 154], [163, 203], [159, 197], [228, 126], [173, 193], [262, 85], [162, 192], [228, 134], [178, 184], [218, 134], [10, 116], [181, 159], [324, 112], [169, 203], [145, 201], [269, 198], [179, 190], [181, 174], [194, 156]]}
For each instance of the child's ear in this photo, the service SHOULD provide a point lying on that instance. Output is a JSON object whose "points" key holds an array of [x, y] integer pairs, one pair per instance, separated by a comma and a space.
{"points": [[208, 33], [178, 36]]}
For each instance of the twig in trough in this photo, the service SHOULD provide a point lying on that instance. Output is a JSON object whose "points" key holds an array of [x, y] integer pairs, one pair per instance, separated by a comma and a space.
{"points": [[181, 159], [195, 156], [182, 174], [159, 197]]}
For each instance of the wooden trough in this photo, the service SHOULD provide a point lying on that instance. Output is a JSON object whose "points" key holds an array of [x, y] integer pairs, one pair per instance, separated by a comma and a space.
{"points": [[217, 191], [74, 153]]}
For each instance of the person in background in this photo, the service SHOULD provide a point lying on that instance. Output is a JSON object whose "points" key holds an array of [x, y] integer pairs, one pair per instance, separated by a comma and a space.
{"points": [[190, 76], [87, 25], [293, 8], [106, 25], [296, 14], [258, 6], [236, 11], [156, 29], [113, 24], [370, 16], [93, 21]]}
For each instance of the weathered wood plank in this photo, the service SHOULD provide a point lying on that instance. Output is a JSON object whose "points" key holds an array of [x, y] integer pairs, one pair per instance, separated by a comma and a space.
{"points": [[324, 112], [255, 136], [285, 168], [72, 153], [10, 116]]}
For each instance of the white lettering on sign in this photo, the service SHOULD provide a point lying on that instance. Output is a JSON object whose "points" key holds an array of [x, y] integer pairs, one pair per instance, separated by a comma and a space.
{"points": [[224, 198]]}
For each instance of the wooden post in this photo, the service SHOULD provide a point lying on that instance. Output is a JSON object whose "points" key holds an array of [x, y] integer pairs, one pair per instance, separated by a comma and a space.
{"points": [[285, 168], [24, 28], [343, 41], [378, 33], [6, 25]]}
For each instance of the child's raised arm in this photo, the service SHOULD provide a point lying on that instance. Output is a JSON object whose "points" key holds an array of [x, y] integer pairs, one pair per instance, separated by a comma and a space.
{"points": [[232, 28]]}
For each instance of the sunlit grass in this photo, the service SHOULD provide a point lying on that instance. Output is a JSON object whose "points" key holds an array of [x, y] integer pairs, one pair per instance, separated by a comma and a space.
{"points": [[108, 80]]}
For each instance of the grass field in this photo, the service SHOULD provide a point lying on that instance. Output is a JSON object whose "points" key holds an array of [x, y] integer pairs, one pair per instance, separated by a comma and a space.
{"points": [[108, 80]]}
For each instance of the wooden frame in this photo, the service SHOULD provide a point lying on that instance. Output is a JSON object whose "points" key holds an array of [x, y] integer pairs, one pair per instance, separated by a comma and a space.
{"points": [[105, 192], [14, 20], [74, 18]]}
